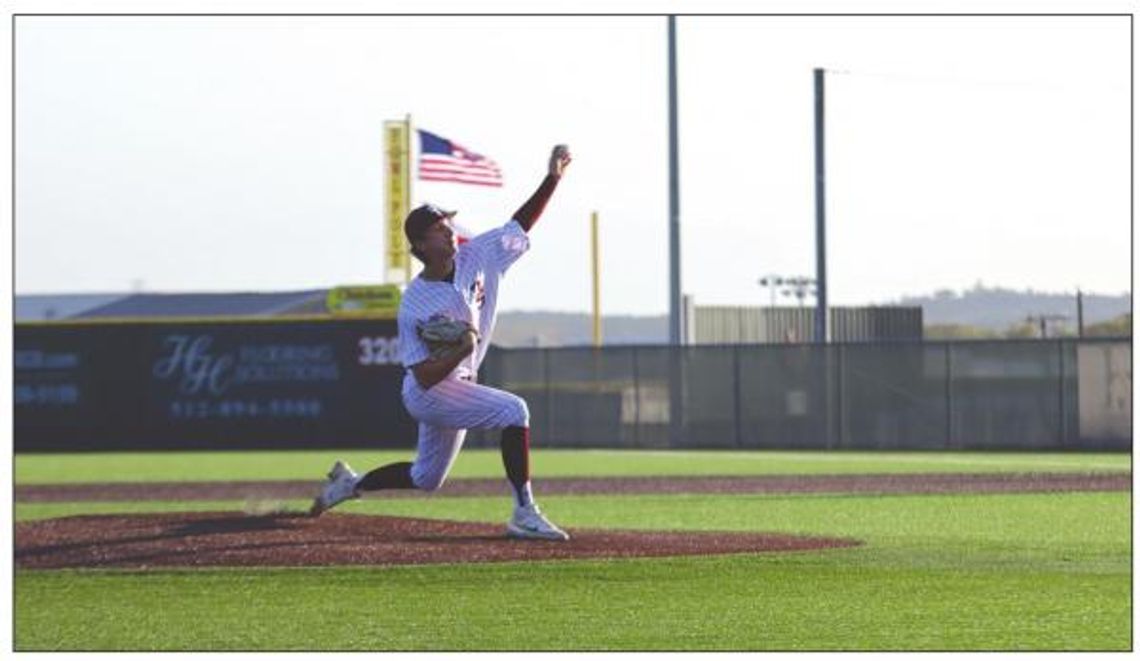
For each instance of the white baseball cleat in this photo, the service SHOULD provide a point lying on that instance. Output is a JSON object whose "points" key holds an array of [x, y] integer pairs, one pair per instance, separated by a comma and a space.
{"points": [[341, 486], [529, 523]]}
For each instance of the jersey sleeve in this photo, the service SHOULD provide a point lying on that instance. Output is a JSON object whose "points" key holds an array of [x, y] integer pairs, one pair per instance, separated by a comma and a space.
{"points": [[496, 249], [413, 350]]}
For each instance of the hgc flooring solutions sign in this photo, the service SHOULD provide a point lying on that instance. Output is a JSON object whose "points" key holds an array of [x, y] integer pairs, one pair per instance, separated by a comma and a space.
{"points": [[311, 384]]}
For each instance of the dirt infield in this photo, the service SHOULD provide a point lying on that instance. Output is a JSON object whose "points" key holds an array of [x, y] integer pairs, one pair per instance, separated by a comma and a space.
{"points": [[888, 483], [217, 539], [207, 539]]}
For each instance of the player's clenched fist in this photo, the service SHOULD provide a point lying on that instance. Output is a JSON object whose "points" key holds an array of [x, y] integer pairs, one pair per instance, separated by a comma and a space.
{"points": [[559, 159], [444, 335]]}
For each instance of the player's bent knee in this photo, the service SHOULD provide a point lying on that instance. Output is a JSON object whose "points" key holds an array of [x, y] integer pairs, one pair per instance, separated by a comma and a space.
{"points": [[428, 481], [432, 483], [520, 413]]}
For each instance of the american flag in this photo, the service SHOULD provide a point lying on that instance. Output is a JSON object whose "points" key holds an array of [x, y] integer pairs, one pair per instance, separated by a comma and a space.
{"points": [[444, 160]]}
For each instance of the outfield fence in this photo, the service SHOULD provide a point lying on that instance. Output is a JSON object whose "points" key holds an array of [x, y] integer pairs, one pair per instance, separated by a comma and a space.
{"points": [[1060, 394], [323, 383]]}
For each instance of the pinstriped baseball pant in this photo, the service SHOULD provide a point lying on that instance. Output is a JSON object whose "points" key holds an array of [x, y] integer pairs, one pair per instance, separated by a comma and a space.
{"points": [[445, 412]]}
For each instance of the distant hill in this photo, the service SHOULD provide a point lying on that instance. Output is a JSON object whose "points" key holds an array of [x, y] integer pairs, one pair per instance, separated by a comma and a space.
{"points": [[994, 309], [998, 309]]}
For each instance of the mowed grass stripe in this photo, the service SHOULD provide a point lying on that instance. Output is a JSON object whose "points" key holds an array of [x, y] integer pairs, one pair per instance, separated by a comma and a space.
{"points": [[752, 602], [485, 463]]}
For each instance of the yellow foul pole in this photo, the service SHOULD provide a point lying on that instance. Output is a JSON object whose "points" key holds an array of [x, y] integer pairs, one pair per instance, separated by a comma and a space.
{"points": [[597, 278]]}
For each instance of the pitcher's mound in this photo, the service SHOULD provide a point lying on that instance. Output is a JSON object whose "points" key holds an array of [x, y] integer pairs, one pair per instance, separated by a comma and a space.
{"points": [[215, 539]]}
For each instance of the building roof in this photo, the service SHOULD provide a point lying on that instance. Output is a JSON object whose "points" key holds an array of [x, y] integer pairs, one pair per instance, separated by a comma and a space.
{"points": [[210, 305], [50, 307]]}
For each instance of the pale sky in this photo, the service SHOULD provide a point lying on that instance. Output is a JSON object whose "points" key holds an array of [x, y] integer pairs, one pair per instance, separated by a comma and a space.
{"points": [[245, 153]]}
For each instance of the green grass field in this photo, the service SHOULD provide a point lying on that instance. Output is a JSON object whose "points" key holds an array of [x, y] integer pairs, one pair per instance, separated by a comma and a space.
{"points": [[303, 465], [935, 572]]}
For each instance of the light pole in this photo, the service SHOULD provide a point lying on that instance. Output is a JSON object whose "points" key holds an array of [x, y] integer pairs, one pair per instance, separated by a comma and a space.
{"points": [[799, 286], [771, 282], [675, 302], [821, 322]]}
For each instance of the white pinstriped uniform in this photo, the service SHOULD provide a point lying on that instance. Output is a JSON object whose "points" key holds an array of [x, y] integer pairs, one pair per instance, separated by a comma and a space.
{"points": [[448, 409]]}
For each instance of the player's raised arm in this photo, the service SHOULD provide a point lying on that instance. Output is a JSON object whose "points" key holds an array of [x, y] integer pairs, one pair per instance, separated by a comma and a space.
{"points": [[528, 213]]}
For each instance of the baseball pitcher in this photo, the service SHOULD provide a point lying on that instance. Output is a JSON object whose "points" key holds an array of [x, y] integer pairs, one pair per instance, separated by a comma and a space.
{"points": [[446, 318]]}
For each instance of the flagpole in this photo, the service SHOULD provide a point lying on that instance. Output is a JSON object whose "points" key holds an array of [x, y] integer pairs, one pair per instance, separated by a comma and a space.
{"points": [[408, 198]]}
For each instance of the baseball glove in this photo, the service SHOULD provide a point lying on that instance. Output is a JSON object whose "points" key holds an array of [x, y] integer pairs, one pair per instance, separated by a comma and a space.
{"points": [[442, 334]]}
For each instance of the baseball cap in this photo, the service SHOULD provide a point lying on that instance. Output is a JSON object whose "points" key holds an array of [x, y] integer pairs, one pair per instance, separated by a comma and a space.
{"points": [[423, 217]]}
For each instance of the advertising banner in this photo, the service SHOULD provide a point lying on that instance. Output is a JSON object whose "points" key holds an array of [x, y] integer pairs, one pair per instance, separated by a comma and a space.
{"points": [[250, 384], [371, 300]]}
